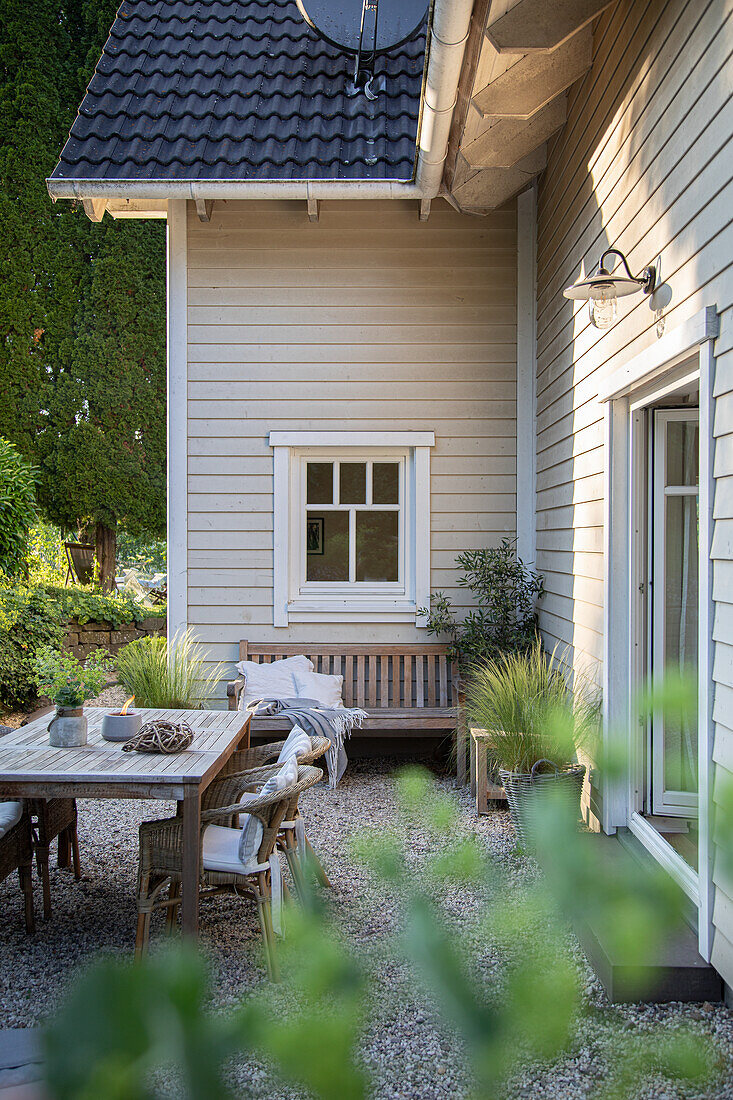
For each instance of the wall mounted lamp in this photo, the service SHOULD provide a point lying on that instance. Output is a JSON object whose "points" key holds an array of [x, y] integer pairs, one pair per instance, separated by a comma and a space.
{"points": [[603, 289]]}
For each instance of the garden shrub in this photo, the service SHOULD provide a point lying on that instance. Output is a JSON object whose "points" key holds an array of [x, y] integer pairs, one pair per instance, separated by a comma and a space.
{"points": [[32, 616], [17, 507], [504, 619]]}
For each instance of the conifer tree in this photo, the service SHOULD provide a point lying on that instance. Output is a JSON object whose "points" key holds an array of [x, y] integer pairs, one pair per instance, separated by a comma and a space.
{"points": [[82, 313]]}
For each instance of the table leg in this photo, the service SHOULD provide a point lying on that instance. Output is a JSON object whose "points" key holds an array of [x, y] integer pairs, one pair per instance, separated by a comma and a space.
{"points": [[191, 830]]}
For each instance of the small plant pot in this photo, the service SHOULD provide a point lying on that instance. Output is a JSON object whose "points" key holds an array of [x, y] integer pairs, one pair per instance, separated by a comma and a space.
{"points": [[121, 727], [68, 728], [526, 794]]}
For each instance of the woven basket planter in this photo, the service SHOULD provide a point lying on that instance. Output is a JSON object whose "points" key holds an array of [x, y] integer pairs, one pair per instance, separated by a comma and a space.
{"points": [[524, 793]]}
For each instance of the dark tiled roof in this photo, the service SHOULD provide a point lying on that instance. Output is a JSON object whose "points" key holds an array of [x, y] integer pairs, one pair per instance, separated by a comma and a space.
{"points": [[239, 89]]}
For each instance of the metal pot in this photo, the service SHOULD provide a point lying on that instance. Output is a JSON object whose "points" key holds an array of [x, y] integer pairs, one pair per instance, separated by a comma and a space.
{"points": [[68, 728]]}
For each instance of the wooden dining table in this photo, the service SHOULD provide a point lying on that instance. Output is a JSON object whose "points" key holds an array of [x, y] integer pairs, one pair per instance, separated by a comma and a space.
{"points": [[31, 768]]}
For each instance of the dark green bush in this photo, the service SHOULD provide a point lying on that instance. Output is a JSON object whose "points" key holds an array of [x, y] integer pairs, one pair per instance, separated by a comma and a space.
{"points": [[17, 507], [32, 616], [28, 620]]}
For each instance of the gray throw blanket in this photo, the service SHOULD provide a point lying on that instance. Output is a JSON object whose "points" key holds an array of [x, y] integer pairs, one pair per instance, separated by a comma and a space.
{"points": [[318, 721]]}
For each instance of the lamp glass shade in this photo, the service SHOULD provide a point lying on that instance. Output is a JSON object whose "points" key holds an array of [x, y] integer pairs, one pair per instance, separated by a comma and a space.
{"points": [[603, 312]]}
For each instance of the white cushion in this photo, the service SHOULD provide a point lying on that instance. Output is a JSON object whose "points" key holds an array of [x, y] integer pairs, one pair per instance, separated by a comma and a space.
{"points": [[298, 742], [326, 690], [11, 813], [271, 681], [250, 837], [221, 850]]}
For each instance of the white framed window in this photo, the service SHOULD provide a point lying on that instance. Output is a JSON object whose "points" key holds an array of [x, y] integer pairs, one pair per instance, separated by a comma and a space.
{"points": [[658, 607], [351, 526]]}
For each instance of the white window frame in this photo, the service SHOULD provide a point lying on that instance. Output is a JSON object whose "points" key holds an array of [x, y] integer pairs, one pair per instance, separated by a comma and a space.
{"points": [[663, 801], [683, 356], [297, 600]]}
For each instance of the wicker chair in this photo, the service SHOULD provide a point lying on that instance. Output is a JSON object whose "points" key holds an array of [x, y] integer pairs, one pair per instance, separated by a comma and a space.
{"points": [[292, 828], [161, 853], [16, 854], [51, 818]]}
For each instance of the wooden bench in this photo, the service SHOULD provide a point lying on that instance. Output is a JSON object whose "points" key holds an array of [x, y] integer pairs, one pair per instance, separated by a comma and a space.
{"points": [[410, 690]]}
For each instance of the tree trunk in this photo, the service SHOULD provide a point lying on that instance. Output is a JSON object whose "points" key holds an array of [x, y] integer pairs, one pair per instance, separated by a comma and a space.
{"points": [[105, 552]]}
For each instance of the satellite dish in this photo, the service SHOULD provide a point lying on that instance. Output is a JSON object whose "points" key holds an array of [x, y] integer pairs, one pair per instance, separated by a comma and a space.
{"points": [[364, 25], [364, 28]]}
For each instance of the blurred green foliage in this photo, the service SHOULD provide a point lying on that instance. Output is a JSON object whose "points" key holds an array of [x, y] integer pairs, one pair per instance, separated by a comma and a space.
{"points": [[141, 552], [123, 1024]]}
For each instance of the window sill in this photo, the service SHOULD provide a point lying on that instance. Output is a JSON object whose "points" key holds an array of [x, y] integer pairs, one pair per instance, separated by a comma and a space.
{"points": [[351, 610]]}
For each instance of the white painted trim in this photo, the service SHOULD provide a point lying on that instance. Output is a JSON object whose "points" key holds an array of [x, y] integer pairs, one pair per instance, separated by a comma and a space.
{"points": [[615, 603], [351, 439], [295, 601], [663, 356], [177, 310], [694, 337], [705, 651], [421, 532], [527, 374], [666, 857], [281, 537]]}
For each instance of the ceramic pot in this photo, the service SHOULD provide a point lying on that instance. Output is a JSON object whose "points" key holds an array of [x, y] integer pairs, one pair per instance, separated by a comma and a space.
{"points": [[68, 728], [121, 727]]}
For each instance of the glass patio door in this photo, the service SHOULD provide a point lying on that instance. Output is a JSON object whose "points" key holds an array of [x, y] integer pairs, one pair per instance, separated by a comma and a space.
{"points": [[675, 603]]}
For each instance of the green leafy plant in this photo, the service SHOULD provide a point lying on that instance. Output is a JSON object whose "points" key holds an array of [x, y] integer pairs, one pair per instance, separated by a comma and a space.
{"points": [[504, 620], [33, 615], [529, 709], [162, 675], [17, 507], [67, 681], [46, 555]]}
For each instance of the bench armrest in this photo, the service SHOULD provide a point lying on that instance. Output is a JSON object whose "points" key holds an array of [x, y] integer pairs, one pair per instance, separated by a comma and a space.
{"points": [[234, 690]]}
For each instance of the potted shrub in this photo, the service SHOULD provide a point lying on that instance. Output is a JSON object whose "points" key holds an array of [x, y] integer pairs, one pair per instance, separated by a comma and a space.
{"points": [[69, 683], [534, 726]]}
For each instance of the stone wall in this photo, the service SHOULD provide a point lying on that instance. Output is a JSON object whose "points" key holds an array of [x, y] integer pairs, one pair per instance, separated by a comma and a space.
{"points": [[82, 638]]}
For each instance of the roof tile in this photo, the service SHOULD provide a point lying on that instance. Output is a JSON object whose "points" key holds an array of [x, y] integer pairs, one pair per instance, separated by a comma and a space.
{"points": [[239, 89]]}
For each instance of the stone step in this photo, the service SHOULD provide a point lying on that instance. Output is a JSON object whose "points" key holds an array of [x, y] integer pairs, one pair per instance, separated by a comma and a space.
{"points": [[536, 80], [675, 971], [542, 24]]}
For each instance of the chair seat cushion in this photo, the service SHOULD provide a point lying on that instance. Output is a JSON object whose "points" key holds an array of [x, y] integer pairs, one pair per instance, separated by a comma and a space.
{"points": [[10, 815], [220, 849]]}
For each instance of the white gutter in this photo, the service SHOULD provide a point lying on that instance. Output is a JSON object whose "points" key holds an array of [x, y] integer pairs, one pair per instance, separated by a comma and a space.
{"points": [[451, 21]]}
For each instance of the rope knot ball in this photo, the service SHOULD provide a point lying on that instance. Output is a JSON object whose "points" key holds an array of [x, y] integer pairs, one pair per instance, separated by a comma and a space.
{"points": [[161, 736]]}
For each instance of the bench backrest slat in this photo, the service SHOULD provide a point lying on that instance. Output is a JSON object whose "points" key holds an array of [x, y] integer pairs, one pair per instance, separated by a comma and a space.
{"points": [[376, 676]]}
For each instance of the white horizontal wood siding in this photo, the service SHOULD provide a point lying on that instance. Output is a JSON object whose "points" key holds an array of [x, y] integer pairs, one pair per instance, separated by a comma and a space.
{"points": [[642, 163], [367, 320]]}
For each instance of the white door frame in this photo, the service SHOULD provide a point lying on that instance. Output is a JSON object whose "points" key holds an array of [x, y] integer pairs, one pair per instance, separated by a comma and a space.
{"points": [[645, 380]]}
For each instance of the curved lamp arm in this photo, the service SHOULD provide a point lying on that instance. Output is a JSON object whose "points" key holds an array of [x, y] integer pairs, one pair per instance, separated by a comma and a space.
{"points": [[647, 280]]}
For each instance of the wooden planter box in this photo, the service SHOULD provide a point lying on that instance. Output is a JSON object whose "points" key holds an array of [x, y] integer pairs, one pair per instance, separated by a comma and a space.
{"points": [[484, 790]]}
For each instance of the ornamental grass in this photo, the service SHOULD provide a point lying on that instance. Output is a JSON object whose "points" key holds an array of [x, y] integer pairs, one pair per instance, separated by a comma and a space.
{"points": [[178, 676], [527, 705]]}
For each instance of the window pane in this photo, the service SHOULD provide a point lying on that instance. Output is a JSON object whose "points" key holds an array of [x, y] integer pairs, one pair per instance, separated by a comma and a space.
{"points": [[386, 483], [320, 483], [680, 635], [377, 546], [683, 449], [327, 546], [352, 482]]}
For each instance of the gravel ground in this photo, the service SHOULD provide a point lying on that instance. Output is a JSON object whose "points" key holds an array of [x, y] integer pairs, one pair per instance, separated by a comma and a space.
{"points": [[407, 1052]]}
